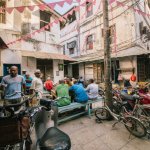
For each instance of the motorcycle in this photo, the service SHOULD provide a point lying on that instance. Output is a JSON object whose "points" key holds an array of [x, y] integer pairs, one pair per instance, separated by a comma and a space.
{"points": [[28, 120]]}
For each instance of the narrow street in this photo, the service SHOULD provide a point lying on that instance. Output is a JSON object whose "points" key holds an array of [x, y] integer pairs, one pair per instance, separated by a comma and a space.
{"points": [[86, 134]]}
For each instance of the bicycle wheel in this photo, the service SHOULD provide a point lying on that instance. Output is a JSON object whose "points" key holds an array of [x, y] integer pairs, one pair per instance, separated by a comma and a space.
{"points": [[135, 126], [102, 114]]}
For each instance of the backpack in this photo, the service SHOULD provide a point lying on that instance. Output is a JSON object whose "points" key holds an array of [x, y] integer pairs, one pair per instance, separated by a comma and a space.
{"points": [[133, 77]]}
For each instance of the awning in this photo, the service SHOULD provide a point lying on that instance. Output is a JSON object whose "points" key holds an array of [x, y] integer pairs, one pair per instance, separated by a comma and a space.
{"points": [[132, 51], [2, 44], [44, 55]]}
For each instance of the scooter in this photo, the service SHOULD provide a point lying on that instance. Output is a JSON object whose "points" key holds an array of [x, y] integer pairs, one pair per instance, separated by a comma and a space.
{"points": [[44, 137], [47, 137]]}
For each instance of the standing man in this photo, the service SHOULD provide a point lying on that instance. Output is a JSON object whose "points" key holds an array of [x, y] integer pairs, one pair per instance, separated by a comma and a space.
{"points": [[37, 84], [13, 84], [28, 80]]}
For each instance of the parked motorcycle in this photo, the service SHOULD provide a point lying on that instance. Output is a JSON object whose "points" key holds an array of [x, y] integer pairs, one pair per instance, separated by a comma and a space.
{"points": [[19, 128]]}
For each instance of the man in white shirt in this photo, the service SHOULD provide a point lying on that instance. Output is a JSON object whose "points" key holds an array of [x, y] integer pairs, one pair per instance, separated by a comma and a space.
{"points": [[37, 84], [92, 89]]}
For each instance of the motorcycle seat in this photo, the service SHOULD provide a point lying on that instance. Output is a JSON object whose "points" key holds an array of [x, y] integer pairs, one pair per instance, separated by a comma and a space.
{"points": [[125, 96], [54, 139]]}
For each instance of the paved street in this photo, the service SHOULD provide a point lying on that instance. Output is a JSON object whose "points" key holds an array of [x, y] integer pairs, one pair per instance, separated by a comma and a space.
{"points": [[87, 135]]}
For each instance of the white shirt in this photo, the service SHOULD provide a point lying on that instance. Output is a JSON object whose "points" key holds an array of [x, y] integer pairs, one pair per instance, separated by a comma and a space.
{"points": [[92, 90], [37, 85]]}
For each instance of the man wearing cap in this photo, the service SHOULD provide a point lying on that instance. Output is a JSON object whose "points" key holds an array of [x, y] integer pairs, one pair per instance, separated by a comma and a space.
{"points": [[37, 84], [24, 72]]}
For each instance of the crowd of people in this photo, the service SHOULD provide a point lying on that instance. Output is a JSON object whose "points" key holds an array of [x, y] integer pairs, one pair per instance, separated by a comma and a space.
{"points": [[66, 91]]}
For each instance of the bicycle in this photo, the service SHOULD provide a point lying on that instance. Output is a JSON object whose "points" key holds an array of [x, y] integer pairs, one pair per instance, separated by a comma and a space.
{"points": [[132, 124], [137, 109]]}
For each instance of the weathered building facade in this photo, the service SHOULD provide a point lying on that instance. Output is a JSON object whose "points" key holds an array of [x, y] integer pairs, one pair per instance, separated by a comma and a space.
{"points": [[41, 51], [129, 40]]}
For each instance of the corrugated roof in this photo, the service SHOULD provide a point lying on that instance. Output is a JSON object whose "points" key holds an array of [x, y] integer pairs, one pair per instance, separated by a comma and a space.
{"points": [[44, 55]]}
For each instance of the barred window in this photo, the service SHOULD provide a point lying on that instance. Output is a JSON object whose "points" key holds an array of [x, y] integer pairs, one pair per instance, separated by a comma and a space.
{"points": [[2, 11], [44, 19]]}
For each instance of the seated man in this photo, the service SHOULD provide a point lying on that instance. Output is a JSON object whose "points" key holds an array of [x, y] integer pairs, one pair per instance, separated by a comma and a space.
{"points": [[62, 90], [80, 94], [92, 89], [48, 85]]}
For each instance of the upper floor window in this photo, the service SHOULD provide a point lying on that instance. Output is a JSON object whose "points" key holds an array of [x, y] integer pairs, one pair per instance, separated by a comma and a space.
{"points": [[72, 18], [71, 46], [144, 32], [90, 41], [112, 30], [112, 33], [71, 51], [62, 24], [44, 19], [149, 3], [2, 11], [89, 9], [64, 50]]}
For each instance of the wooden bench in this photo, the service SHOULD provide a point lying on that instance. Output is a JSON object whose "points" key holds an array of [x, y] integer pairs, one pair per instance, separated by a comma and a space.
{"points": [[73, 106]]}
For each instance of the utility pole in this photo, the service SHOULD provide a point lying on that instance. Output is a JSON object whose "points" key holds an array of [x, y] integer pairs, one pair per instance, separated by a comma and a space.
{"points": [[107, 55]]}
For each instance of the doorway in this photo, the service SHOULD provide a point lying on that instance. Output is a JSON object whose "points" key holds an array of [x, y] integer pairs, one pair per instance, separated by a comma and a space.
{"points": [[143, 69], [75, 71]]}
